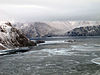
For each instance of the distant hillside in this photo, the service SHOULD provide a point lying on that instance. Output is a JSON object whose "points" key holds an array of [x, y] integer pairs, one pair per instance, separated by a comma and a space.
{"points": [[54, 28], [85, 31]]}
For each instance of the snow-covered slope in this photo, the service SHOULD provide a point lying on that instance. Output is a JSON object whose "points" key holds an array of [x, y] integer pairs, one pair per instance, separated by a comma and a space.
{"points": [[85, 31], [11, 37], [53, 28]]}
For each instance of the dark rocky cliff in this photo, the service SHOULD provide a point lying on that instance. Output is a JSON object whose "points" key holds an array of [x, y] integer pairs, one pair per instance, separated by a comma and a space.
{"points": [[85, 31], [11, 37]]}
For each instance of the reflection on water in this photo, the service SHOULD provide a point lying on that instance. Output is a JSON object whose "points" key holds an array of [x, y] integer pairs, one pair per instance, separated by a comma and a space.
{"points": [[55, 57]]}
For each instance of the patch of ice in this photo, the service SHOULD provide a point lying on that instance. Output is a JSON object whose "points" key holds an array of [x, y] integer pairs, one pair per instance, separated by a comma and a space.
{"points": [[54, 42], [96, 61], [85, 47], [60, 51]]}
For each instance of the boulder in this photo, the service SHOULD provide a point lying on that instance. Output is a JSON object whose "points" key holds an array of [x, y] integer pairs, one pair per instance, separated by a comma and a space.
{"points": [[40, 41]]}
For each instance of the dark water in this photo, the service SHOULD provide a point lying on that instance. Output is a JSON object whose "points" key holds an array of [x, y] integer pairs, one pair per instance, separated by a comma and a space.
{"points": [[55, 57]]}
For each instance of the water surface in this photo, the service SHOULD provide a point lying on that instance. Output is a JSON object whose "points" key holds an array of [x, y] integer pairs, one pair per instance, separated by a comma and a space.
{"points": [[55, 57]]}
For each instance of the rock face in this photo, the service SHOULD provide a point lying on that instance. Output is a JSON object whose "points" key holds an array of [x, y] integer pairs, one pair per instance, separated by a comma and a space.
{"points": [[85, 31], [54, 28], [2, 47], [11, 37], [36, 29], [40, 41]]}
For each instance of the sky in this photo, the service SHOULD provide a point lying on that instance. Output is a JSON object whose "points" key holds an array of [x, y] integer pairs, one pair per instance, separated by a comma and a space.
{"points": [[49, 10]]}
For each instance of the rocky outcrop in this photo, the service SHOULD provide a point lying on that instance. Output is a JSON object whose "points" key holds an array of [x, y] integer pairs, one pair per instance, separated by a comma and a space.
{"points": [[11, 37], [85, 31], [40, 41], [2, 47]]}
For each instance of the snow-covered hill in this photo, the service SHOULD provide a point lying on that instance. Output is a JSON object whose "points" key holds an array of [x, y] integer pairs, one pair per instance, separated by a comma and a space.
{"points": [[85, 31], [11, 37], [54, 28]]}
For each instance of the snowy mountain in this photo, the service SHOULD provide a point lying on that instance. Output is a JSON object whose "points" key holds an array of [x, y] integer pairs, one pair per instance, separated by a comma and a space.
{"points": [[54, 28], [11, 37], [85, 31]]}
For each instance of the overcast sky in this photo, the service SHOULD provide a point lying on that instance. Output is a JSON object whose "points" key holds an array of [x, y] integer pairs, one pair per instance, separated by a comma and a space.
{"points": [[49, 10]]}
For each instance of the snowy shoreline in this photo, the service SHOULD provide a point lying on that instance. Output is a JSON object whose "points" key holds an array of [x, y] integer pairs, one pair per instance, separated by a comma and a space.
{"points": [[15, 50]]}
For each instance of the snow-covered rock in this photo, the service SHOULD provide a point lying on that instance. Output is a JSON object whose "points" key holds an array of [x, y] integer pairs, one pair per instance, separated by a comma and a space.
{"points": [[2, 47], [11, 37], [85, 31]]}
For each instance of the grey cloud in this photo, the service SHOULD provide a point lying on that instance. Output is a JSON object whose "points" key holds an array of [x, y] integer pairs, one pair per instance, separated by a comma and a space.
{"points": [[51, 9]]}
